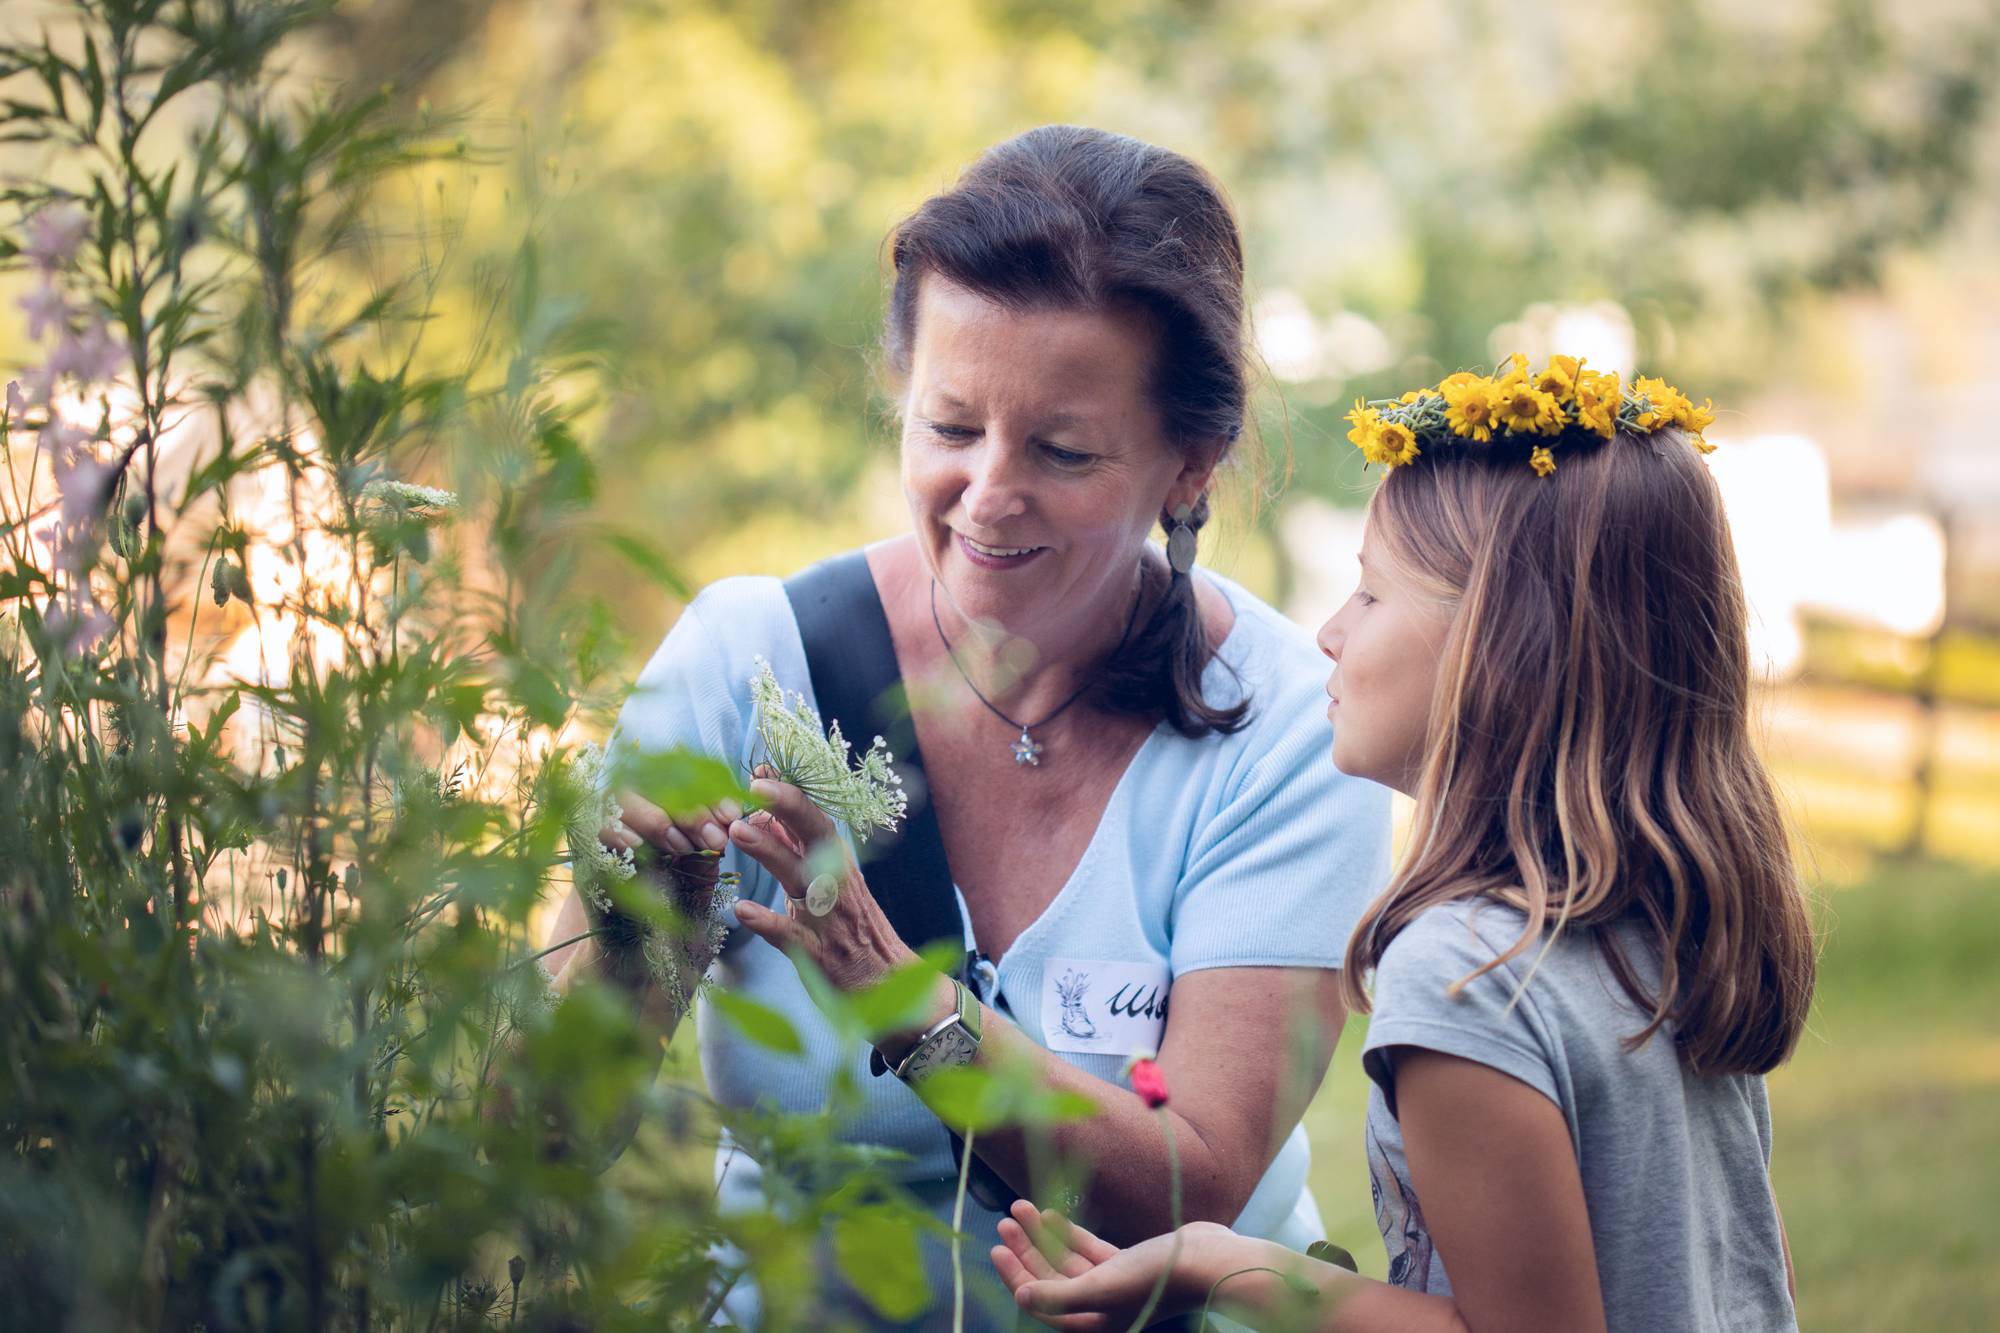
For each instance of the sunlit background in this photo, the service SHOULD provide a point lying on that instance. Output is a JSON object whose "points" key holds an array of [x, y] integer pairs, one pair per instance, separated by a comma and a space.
{"points": [[1790, 206]]}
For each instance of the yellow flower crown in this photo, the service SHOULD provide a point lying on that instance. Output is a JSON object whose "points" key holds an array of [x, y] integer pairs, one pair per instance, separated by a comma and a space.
{"points": [[1562, 400]]}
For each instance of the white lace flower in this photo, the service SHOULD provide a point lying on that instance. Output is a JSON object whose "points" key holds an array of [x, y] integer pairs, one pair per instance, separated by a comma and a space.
{"points": [[593, 866], [866, 795], [409, 495]]}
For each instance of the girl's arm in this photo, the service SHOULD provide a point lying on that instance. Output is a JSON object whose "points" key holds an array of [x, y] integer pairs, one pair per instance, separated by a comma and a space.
{"points": [[1492, 1164]]}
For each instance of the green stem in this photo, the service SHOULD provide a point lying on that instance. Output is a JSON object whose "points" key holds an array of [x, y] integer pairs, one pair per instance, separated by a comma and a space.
{"points": [[574, 939], [1174, 1250], [1216, 1286], [958, 1238]]}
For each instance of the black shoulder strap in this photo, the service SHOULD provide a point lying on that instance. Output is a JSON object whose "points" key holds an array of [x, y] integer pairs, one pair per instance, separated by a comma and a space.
{"points": [[852, 661], [855, 681]]}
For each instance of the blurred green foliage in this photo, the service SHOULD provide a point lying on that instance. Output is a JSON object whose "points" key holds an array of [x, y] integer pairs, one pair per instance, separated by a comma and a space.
{"points": [[721, 176], [285, 768]]}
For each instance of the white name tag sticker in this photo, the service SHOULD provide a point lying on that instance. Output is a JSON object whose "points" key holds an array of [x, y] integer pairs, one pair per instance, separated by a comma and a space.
{"points": [[1094, 1007]]}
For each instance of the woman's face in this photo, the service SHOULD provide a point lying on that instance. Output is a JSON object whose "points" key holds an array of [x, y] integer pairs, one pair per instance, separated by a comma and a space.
{"points": [[1034, 463], [1385, 644]]}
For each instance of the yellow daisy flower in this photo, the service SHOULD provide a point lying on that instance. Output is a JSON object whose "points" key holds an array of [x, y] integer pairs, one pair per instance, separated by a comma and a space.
{"points": [[1696, 419], [1520, 407], [1542, 461], [1703, 445], [1364, 422], [1558, 378], [1664, 403], [1469, 406], [1395, 444], [1597, 402]]}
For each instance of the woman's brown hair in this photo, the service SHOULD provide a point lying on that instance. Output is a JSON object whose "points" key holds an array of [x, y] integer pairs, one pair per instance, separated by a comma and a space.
{"points": [[1589, 758], [1071, 218]]}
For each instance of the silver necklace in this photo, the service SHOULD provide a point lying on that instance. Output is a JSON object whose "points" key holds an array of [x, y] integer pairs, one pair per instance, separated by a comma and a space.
{"points": [[1026, 750]]}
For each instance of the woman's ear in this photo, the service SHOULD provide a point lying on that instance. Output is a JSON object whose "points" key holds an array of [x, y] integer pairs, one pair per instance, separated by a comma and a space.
{"points": [[1198, 464]]}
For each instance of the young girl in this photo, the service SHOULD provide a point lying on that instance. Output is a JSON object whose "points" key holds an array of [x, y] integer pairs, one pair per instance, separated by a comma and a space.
{"points": [[1597, 944]]}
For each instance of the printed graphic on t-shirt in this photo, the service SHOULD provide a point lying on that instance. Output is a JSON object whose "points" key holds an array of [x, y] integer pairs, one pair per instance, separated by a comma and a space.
{"points": [[1400, 1218], [1096, 1007]]}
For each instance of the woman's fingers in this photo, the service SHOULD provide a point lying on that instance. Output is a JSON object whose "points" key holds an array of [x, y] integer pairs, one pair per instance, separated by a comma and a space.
{"points": [[778, 930], [761, 839], [681, 835], [807, 822]]}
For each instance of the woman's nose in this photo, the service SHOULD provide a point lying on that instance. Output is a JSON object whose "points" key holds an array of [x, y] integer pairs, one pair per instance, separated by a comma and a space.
{"points": [[994, 492]]}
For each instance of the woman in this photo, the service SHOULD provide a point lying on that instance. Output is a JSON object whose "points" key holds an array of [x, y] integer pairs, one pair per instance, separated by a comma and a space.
{"points": [[1117, 748]]}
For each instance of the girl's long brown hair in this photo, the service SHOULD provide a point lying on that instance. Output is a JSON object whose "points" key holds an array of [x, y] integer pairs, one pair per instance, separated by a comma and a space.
{"points": [[1589, 757]]}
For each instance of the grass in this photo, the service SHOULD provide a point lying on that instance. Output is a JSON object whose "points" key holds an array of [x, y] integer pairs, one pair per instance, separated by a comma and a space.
{"points": [[1887, 1160]]}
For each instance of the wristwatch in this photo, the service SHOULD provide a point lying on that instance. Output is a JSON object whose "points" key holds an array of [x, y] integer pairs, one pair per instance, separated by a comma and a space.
{"points": [[952, 1040]]}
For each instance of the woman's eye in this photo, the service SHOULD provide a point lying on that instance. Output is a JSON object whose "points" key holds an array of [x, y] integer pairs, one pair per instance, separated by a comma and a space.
{"points": [[1066, 457], [950, 432]]}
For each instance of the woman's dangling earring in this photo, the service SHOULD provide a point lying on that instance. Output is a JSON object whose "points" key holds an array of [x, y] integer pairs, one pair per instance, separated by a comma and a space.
{"points": [[1180, 541]]}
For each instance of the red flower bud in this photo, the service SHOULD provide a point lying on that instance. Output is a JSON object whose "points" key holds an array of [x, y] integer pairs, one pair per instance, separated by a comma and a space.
{"points": [[1149, 1083]]}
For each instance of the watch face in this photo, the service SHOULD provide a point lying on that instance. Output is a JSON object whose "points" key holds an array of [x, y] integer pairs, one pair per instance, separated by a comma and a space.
{"points": [[953, 1046]]}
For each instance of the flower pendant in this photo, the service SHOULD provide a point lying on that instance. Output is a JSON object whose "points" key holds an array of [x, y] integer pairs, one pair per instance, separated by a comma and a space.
{"points": [[1026, 751]]}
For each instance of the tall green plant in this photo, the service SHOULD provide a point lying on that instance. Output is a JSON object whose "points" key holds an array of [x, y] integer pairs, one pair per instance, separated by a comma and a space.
{"points": [[286, 756]]}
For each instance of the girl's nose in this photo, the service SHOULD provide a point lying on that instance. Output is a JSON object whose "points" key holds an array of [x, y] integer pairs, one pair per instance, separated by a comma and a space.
{"points": [[1331, 638]]}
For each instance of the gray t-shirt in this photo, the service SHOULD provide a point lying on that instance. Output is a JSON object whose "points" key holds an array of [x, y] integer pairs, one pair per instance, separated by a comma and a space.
{"points": [[1675, 1167]]}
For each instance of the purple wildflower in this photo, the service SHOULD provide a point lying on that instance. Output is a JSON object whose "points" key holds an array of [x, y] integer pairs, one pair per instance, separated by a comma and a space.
{"points": [[45, 308], [54, 234]]}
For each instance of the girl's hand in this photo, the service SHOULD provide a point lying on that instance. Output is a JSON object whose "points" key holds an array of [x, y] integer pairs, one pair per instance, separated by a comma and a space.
{"points": [[853, 945], [1069, 1279]]}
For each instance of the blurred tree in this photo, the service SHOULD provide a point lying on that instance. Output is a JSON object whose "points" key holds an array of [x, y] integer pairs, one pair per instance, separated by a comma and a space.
{"points": [[721, 176]]}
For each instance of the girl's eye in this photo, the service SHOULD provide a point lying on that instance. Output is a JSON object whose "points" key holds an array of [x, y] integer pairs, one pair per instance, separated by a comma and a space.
{"points": [[1365, 597]]}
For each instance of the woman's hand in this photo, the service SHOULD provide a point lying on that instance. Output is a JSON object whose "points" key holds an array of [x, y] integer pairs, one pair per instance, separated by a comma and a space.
{"points": [[688, 844], [1070, 1279], [853, 945]]}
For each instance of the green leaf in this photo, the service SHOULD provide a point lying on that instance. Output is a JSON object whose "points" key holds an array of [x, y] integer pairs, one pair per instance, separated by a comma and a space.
{"points": [[877, 1250], [649, 560], [537, 692], [979, 1099], [759, 1022], [93, 82], [902, 999], [898, 1002], [676, 780], [1328, 1253]]}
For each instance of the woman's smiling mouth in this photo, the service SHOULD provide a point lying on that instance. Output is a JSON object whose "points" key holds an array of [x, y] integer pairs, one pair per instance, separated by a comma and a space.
{"points": [[995, 557]]}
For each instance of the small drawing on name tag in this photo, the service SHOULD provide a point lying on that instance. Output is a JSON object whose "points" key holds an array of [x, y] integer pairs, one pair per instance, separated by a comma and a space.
{"points": [[1100, 1007]]}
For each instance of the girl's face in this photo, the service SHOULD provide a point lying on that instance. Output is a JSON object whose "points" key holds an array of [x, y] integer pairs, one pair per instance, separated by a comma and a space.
{"points": [[1034, 461], [1385, 644]]}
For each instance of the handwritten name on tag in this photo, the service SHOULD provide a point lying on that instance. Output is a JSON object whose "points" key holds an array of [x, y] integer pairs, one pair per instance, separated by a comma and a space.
{"points": [[1096, 1007]]}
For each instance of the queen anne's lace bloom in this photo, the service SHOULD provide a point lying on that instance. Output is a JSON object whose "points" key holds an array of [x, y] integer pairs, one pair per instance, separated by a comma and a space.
{"points": [[409, 495], [866, 795], [593, 866]]}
